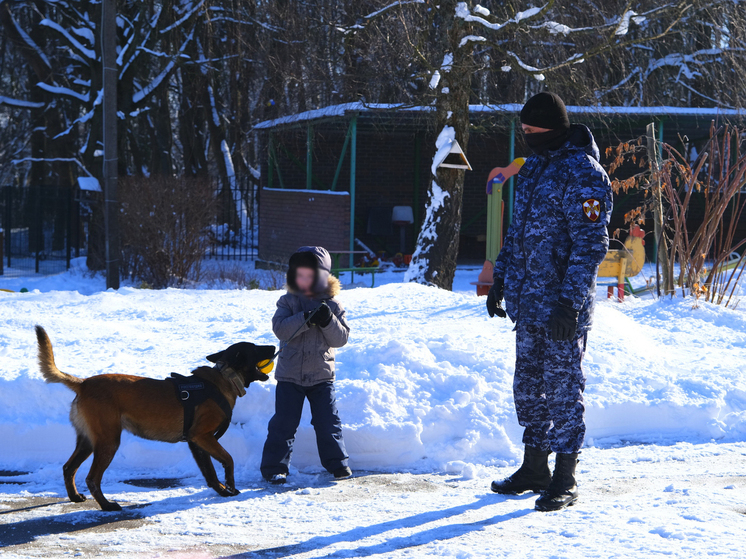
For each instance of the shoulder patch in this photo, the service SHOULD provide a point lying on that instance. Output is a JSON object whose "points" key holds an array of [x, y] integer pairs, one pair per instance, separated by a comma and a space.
{"points": [[591, 210], [526, 171]]}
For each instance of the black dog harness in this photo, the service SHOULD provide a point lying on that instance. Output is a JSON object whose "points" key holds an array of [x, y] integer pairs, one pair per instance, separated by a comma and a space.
{"points": [[193, 391]]}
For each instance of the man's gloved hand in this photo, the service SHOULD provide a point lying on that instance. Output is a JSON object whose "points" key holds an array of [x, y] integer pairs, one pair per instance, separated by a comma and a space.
{"points": [[495, 297], [564, 322], [323, 315]]}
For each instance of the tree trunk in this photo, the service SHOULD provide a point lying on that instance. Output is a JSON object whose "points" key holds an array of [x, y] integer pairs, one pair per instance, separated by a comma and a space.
{"points": [[434, 258]]}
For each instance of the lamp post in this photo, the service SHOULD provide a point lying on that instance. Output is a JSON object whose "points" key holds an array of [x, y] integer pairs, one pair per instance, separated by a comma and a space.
{"points": [[108, 35]]}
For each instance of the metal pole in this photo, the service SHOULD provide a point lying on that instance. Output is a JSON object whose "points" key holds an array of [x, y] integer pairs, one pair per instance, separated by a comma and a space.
{"points": [[108, 36], [353, 171]]}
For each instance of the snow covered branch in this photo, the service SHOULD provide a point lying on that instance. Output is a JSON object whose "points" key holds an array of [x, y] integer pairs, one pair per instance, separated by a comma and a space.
{"points": [[385, 9], [19, 103], [687, 66], [141, 94], [463, 12], [85, 52], [50, 160]]}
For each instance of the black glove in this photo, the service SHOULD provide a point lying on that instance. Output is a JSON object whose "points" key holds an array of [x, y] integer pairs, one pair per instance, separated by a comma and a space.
{"points": [[564, 322], [494, 299], [322, 316]]}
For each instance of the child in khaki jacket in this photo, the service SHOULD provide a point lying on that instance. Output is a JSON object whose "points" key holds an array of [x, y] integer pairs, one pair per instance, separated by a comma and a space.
{"points": [[310, 323]]}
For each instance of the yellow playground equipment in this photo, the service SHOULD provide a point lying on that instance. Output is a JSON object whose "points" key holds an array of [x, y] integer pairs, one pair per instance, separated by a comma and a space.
{"points": [[625, 262]]}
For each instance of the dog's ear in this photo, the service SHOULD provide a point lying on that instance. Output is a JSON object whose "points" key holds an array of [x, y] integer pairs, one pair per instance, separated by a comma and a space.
{"points": [[215, 357]]}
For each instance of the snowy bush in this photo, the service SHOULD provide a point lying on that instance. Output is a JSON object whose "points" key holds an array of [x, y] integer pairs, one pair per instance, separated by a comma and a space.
{"points": [[164, 221]]}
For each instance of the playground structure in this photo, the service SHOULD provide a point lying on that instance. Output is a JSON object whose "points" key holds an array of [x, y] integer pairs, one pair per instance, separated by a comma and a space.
{"points": [[495, 208], [625, 262], [619, 263]]}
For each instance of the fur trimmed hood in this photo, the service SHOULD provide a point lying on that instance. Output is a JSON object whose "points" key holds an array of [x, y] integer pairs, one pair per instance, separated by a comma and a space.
{"points": [[333, 288]]}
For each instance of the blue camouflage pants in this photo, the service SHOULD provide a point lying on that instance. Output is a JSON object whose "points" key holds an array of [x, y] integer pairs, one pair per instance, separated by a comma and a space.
{"points": [[548, 389]]}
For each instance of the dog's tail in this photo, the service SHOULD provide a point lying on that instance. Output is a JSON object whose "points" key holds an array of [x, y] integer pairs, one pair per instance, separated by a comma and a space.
{"points": [[46, 363]]}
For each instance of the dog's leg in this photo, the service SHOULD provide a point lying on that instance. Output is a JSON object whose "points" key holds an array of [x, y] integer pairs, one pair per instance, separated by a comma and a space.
{"points": [[83, 449], [209, 444], [205, 466], [103, 453]]}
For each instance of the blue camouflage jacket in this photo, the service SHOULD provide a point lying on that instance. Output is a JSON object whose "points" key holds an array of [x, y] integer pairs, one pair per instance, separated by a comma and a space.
{"points": [[559, 234]]}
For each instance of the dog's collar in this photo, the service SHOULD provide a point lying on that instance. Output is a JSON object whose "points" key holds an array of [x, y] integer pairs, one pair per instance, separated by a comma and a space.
{"points": [[232, 376]]}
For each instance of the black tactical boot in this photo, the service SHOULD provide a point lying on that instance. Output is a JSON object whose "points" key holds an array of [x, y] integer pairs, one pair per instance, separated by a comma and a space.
{"points": [[563, 490], [533, 475]]}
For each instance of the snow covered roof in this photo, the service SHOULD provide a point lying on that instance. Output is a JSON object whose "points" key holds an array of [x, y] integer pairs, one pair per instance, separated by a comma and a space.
{"points": [[360, 107]]}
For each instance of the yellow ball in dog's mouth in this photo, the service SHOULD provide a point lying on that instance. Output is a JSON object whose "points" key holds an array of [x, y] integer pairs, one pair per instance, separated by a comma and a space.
{"points": [[266, 366]]}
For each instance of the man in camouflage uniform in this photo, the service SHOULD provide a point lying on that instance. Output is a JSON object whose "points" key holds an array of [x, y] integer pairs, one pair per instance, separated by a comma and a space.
{"points": [[547, 272]]}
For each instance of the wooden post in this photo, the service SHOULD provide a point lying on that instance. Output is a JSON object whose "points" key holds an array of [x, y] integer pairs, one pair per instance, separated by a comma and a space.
{"points": [[661, 247]]}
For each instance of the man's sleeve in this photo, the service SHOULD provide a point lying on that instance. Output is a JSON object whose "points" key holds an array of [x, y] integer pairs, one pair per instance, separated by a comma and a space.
{"points": [[587, 207]]}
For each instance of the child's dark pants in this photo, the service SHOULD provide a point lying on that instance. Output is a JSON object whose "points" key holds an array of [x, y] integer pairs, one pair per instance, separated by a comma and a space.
{"points": [[289, 398]]}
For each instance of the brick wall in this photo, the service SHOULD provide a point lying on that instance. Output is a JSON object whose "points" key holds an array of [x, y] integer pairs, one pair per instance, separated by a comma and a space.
{"points": [[289, 219]]}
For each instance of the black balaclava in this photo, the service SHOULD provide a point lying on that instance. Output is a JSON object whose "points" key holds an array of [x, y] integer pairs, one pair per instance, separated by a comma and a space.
{"points": [[546, 110]]}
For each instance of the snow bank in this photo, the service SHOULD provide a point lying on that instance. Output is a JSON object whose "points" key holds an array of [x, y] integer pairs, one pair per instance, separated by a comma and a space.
{"points": [[424, 384]]}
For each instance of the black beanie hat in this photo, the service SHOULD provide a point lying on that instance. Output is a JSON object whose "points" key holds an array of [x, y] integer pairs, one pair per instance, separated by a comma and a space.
{"points": [[545, 110]]}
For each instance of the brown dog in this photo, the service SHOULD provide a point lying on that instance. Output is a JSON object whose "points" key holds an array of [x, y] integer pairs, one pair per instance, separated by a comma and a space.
{"points": [[106, 404]]}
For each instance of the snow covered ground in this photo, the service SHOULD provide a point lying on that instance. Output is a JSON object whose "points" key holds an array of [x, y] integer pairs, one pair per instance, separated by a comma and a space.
{"points": [[424, 391]]}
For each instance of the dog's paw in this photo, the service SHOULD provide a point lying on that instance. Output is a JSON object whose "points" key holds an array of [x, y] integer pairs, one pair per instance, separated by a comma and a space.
{"points": [[224, 491], [111, 507], [77, 498]]}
